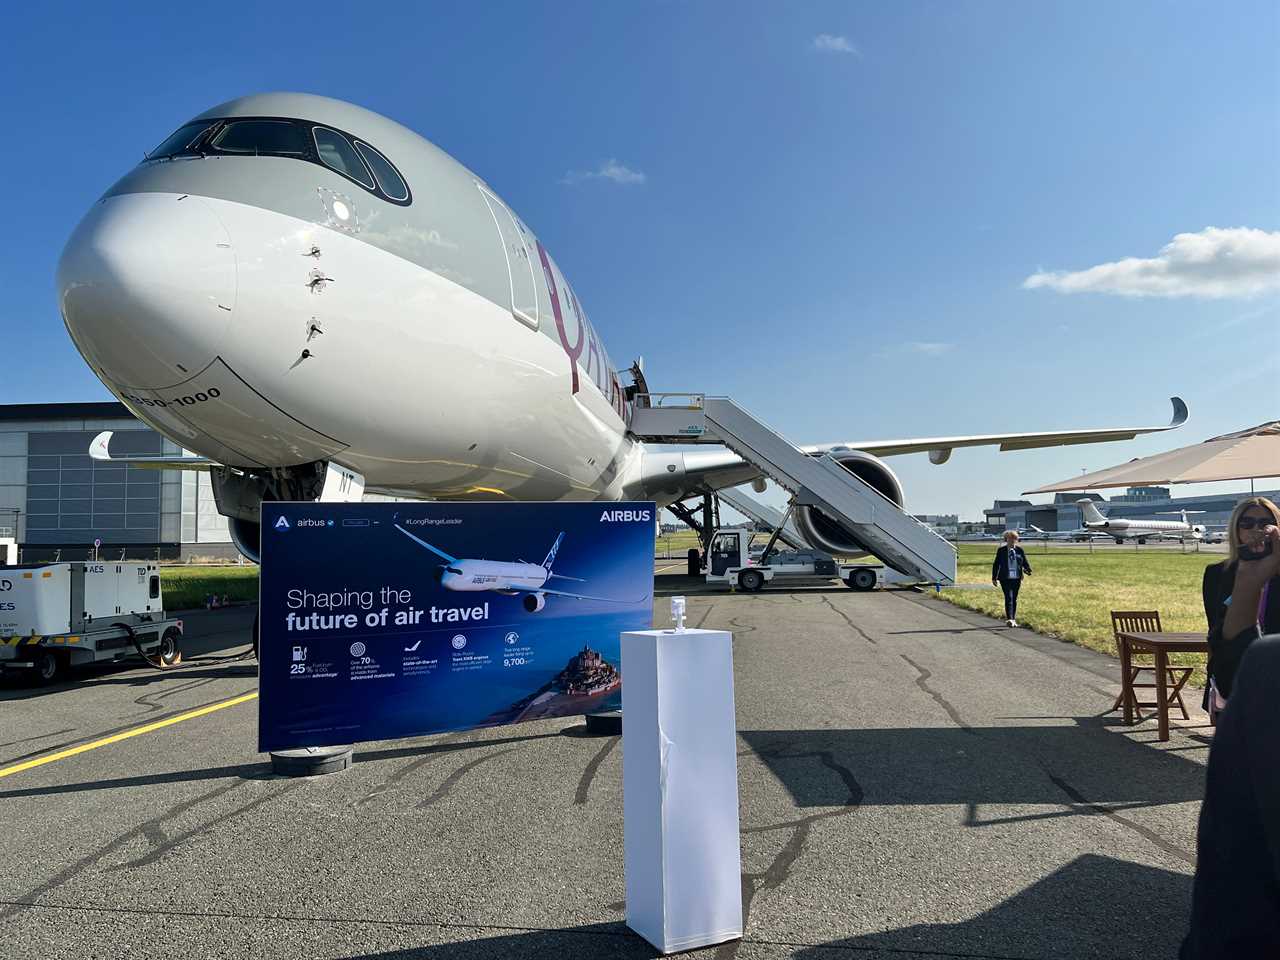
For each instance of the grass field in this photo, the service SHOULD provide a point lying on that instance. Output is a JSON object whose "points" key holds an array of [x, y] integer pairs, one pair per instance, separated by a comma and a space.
{"points": [[186, 587], [1072, 592]]}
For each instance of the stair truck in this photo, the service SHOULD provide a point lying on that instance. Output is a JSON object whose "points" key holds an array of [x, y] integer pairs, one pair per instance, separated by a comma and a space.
{"points": [[54, 616], [729, 562]]}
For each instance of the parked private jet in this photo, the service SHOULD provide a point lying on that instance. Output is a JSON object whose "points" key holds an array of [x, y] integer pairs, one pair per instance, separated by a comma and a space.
{"points": [[510, 578], [1121, 529], [317, 301]]}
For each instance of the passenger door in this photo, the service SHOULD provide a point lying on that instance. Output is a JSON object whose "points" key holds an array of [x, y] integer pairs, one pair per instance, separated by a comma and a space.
{"points": [[517, 245]]}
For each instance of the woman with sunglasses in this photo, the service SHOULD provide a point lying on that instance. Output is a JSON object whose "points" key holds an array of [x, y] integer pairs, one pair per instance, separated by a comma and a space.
{"points": [[1242, 594]]}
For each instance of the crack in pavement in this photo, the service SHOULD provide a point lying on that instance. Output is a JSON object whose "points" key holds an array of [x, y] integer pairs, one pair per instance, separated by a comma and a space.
{"points": [[163, 843], [452, 779], [852, 626], [69, 873], [711, 606], [593, 766], [14, 743], [779, 869], [1088, 806], [921, 682], [148, 700]]}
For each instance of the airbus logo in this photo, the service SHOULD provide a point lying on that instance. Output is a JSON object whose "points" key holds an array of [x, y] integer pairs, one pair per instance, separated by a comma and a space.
{"points": [[282, 524], [616, 516]]}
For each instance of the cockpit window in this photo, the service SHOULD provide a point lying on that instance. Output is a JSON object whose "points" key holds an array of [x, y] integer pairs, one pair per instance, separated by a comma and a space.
{"points": [[388, 179], [292, 138], [272, 137], [336, 151], [181, 139]]}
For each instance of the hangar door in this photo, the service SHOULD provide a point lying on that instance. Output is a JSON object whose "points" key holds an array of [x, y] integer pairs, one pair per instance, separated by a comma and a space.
{"points": [[1044, 519], [515, 244]]}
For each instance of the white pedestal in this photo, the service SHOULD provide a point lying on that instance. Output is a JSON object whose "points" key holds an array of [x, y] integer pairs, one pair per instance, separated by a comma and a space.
{"points": [[680, 788]]}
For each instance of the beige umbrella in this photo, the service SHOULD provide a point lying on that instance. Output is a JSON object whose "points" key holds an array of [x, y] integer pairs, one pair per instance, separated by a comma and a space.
{"points": [[1234, 456]]}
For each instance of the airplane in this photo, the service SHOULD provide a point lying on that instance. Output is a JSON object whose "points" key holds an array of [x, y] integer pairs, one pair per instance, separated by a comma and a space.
{"points": [[1120, 529], [315, 301], [510, 579]]}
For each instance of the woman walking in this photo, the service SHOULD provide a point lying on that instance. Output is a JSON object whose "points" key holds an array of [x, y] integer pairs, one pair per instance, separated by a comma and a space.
{"points": [[1007, 571]]}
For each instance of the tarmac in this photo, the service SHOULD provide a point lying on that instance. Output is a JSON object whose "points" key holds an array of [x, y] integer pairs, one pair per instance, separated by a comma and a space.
{"points": [[916, 781]]}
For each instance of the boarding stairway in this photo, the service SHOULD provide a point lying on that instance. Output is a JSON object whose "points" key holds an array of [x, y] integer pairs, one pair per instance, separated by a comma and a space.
{"points": [[762, 513], [897, 538]]}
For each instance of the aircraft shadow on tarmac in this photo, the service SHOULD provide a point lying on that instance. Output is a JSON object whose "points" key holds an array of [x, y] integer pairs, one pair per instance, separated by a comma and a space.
{"points": [[1085, 768], [1094, 906], [124, 675]]}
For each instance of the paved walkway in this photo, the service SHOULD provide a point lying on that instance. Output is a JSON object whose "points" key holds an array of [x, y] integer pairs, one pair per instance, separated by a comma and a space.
{"points": [[915, 781]]}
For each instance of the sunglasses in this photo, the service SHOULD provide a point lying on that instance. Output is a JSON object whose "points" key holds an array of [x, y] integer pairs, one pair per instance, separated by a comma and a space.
{"points": [[1248, 523]]}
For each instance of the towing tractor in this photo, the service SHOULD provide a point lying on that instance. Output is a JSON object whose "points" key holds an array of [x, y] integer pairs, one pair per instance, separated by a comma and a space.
{"points": [[58, 615], [730, 561]]}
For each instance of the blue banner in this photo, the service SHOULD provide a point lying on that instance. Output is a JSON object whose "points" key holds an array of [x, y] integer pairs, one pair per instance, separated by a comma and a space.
{"points": [[387, 620]]}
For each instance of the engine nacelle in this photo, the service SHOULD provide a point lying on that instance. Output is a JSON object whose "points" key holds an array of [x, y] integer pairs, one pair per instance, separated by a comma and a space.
{"points": [[826, 534], [533, 602], [247, 536]]}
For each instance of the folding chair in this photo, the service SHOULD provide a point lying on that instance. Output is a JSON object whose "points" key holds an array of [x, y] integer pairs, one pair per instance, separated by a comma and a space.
{"points": [[1146, 621]]}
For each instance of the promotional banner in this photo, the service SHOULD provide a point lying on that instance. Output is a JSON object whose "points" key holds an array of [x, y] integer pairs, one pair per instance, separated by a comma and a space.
{"points": [[387, 620]]}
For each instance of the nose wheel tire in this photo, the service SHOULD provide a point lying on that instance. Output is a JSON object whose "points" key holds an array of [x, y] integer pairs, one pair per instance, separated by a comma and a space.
{"points": [[751, 581]]}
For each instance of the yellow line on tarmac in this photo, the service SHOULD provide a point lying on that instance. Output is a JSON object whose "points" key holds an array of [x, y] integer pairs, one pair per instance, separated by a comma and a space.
{"points": [[663, 569], [116, 738]]}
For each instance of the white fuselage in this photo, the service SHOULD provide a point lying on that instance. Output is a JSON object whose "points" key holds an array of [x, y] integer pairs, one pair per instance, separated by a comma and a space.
{"points": [[415, 382], [466, 575], [1127, 529]]}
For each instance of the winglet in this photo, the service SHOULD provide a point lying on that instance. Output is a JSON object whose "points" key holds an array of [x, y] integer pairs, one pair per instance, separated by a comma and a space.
{"points": [[1180, 412], [98, 447]]}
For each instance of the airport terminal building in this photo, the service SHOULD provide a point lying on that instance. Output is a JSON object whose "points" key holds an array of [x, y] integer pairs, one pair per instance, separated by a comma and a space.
{"points": [[55, 500], [1147, 503]]}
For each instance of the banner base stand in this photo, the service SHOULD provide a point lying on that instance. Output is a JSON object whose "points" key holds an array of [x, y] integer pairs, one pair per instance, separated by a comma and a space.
{"points": [[310, 761], [605, 724]]}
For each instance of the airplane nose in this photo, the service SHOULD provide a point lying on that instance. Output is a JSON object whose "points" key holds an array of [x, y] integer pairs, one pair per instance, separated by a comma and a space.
{"points": [[147, 285]]}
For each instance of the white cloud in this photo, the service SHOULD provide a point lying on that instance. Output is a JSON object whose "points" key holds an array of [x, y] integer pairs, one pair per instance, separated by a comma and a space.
{"points": [[1215, 263], [830, 43], [930, 348], [609, 169], [925, 348]]}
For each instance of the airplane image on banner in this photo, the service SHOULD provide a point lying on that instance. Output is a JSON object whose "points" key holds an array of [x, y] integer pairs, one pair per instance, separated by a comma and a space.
{"points": [[505, 577]]}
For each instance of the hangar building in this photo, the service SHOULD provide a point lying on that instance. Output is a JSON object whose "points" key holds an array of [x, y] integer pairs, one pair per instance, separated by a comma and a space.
{"points": [[1151, 503], [55, 500]]}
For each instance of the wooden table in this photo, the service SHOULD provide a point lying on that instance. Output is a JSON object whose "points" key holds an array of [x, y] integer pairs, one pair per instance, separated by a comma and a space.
{"points": [[1161, 645]]}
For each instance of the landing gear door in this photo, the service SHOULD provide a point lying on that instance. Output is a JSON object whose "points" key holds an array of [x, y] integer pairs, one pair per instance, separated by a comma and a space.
{"points": [[516, 244]]}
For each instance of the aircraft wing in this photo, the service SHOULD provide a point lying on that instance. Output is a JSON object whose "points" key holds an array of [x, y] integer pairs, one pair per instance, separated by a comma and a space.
{"points": [[579, 596], [939, 448], [422, 543], [99, 450]]}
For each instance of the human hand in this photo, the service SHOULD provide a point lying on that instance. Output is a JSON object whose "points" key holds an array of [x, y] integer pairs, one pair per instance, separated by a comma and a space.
{"points": [[1264, 568]]}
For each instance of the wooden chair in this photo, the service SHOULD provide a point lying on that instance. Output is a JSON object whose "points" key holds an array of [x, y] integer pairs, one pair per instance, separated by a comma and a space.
{"points": [[1146, 621]]}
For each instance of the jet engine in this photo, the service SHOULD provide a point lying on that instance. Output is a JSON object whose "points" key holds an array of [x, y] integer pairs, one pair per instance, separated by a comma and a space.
{"points": [[533, 602], [826, 534]]}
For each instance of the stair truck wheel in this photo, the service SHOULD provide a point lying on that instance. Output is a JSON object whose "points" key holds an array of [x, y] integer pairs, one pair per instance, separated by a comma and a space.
{"points": [[49, 666], [695, 562], [862, 579], [751, 581], [170, 650]]}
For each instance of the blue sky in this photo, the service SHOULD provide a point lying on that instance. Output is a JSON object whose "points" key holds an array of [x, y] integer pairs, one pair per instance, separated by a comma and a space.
{"points": [[828, 211]]}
